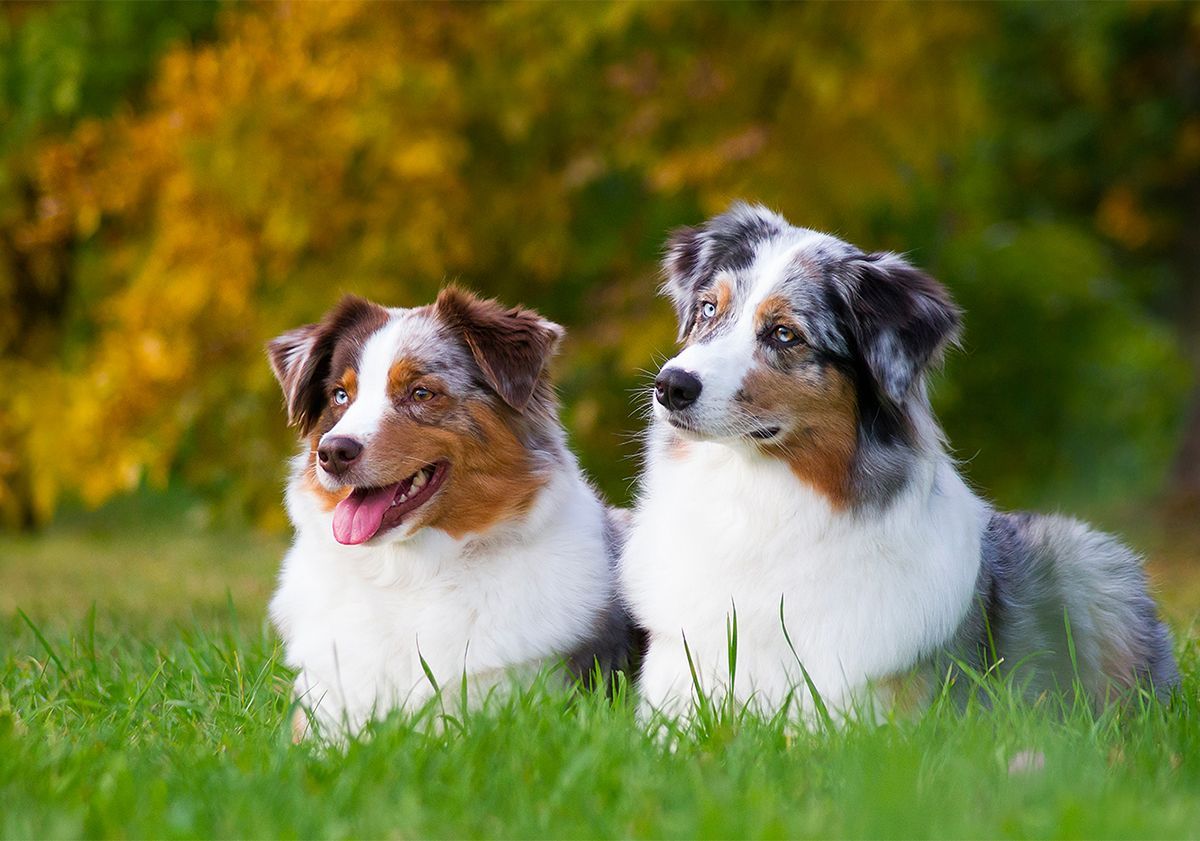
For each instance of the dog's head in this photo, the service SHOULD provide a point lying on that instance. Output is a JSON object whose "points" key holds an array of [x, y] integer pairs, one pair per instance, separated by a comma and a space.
{"points": [[795, 342], [439, 416]]}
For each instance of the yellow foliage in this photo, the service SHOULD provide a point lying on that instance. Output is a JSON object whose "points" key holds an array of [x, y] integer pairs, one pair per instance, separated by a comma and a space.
{"points": [[528, 149]]}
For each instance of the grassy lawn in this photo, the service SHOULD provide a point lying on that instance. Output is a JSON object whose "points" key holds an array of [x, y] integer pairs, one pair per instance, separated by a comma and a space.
{"points": [[162, 713]]}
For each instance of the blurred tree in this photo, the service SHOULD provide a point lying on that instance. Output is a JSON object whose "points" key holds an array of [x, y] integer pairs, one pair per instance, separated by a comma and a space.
{"points": [[539, 153], [58, 64], [1099, 111]]}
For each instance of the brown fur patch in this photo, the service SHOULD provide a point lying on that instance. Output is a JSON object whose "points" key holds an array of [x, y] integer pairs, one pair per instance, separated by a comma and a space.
{"points": [[401, 377], [724, 290], [497, 480], [908, 693], [299, 726], [326, 498], [350, 383], [820, 403], [492, 475], [774, 309]]}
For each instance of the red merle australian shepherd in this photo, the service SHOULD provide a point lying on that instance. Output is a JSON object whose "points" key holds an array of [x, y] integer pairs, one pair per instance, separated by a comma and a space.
{"points": [[441, 523]]}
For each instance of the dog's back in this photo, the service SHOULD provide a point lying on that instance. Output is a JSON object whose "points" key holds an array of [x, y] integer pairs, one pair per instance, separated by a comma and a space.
{"points": [[1059, 602]]}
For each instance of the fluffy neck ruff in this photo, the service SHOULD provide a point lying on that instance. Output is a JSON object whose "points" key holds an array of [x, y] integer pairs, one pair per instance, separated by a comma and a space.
{"points": [[867, 590]]}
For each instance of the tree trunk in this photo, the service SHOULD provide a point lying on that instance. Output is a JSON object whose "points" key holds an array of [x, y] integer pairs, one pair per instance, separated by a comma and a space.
{"points": [[1183, 488]]}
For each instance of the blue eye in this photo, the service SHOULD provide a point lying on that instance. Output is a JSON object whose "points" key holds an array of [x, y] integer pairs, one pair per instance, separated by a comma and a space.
{"points": [[340, 397], [707, 309]]}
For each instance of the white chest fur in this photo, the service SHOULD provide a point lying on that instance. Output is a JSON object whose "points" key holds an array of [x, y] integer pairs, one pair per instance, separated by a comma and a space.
{"points": [[357, 621], [864, 594]]}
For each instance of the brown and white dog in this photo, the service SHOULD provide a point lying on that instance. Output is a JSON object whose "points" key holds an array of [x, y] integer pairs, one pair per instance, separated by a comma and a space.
{"points": [[441, 523]]}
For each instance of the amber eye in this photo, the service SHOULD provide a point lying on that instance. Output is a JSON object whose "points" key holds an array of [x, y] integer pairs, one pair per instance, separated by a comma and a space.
{"points": [[420, 395], [707, 309], [340, 396], [784, 335]]}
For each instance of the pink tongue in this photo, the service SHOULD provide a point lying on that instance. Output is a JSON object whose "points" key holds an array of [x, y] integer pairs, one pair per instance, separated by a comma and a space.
{"points": [[358, 516]]}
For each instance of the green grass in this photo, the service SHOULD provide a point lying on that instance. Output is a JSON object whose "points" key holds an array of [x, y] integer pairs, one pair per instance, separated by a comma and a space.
{"points": [[185, 736], [143, 562], [166, 716]]}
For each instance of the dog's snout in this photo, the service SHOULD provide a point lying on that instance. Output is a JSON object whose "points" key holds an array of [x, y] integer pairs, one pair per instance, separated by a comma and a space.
{"points": [[676, 389], [338, 454]]}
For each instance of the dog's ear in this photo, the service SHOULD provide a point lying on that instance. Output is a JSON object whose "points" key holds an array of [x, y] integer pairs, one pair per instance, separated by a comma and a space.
{"points": [[511, 345], [684, 269], [726, 241], [301, 359], [901, 319], [291, 360]]}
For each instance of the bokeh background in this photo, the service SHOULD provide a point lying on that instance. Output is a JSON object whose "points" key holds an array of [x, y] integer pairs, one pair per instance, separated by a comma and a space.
{"points": [[179, 182]]}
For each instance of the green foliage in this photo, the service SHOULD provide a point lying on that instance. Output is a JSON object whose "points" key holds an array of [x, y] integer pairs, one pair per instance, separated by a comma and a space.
{"points": [[76, 59], [1106, 129], [1065, 391]]}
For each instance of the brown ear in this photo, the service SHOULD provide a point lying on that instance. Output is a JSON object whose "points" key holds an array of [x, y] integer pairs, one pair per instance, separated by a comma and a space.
{"points": [[290, 355], [300, 358], [511, 345]]}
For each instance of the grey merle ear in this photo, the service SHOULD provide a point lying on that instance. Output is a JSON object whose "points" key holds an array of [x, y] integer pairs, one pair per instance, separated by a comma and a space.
{"points": [[511, 345], [684, 269], [901, 319], [301, 358], [726, 241]]}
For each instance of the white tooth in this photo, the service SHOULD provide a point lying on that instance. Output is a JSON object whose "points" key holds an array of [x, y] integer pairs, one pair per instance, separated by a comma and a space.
{"points": [[402, 498], [418, 480]]}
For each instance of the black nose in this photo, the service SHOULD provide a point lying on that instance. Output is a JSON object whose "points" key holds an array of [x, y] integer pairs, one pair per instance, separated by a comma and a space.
{"points": [[676, 389], [338, 454]]}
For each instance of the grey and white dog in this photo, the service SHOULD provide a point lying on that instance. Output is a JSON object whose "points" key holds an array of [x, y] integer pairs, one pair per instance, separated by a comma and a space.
{"points": [[797, 477]]}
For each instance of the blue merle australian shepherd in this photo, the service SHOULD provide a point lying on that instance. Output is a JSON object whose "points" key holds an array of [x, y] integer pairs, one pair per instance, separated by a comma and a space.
{"points": [[797, 478]]}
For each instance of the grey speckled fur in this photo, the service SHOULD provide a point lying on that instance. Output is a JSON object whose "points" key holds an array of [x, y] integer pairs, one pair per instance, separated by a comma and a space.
{"points": [[616, 643], [1042, 574], [881, 324]]}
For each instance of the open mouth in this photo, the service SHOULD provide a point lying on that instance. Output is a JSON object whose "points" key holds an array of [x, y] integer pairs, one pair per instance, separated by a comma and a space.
{"points": [[370, 511]]}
